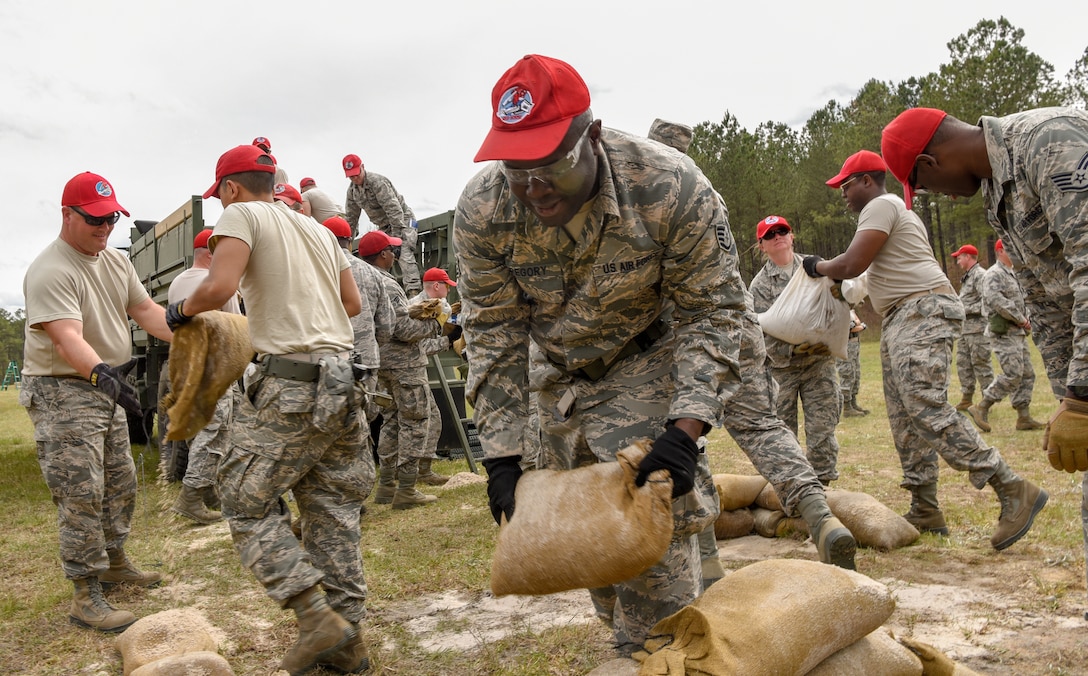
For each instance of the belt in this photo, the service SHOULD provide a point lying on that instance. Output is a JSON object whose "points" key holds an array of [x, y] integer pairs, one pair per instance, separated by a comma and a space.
{"points": [[299, 366], [599, 368], [943, 289]]}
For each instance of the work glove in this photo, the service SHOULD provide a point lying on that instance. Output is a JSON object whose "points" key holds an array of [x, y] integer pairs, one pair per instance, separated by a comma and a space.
{"points": [[675, 451], [1066, 436], [455, 309], [809, 263], [459, 345], [175, 317], [811, 349], [502, 479], [113, 382], [427, 309], [452, 331]]}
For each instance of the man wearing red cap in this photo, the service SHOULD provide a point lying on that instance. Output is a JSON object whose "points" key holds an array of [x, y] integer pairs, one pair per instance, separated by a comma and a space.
{"points": [[283, 192], [407, 421], [301, 427], [80, 294], [322, 208], [582, 239], [973, 355], [1007, 331], [387, 210], [923, 316], [198, 491]]}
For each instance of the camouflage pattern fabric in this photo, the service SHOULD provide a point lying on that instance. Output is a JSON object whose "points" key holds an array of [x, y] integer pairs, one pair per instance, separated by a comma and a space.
{"points": [[814, 380], [850, 369], [413, 421], [973, 364], [276, 448], [1003, 296], [916, 357], [374, 324], [386, 209], [210, 443], [83, 451]]}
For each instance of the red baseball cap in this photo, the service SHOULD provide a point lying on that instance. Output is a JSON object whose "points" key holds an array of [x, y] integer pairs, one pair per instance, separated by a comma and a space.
{"points": [[861, 161], [771, 222], [904, 139], [999, 245], [91, 193], [374, 241], [352, 165], [237, 160], [339, 227], [306, 181], [534, 103], [201, 239], [965, 249], [286, 194], [263, 143], [438, 275]]}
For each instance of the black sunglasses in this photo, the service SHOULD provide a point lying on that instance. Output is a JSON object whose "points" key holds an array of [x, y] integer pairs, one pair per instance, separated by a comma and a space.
{"points": [[775, 232], [96, 221]]}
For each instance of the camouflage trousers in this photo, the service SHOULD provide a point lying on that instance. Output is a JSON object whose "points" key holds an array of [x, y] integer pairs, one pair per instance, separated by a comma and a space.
{"points": [[412, 424], [275, 447], [850, 370], [815, 382], [210, 443], [916, 356], [973, 363], [409, 268], [751, 420], [83, 451], [629, 404], [1017, 377]]}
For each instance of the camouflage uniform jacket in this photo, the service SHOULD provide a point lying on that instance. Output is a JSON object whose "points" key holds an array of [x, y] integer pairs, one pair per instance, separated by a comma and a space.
{"points": [[1037, 201], [402, 350], [374, 325], [656, 239], [1002, 296], [384, 206], [971, 297]]}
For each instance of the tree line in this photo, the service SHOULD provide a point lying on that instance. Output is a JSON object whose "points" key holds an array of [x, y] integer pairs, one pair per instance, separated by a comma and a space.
{"points": [[776, 169], [11, 337]]}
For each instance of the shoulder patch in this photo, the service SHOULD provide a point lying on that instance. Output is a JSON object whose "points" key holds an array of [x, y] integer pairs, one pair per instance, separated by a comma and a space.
{"points": [[1073, 181], [725, 238]]}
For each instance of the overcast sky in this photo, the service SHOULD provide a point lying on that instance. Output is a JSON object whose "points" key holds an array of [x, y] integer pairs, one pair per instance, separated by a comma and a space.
{"points": [[149, 94]]}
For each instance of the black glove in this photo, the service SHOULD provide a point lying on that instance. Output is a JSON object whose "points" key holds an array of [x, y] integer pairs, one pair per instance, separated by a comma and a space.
{"points": [[112, 381], [454, 334], [175, 317], [502, 479], [675, 451], [810, 265]]}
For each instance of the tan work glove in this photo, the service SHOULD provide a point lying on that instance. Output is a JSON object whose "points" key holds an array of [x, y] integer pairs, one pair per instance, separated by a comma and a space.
{"points": [[813, 349], [1066, 436], [459, 346], [427, 309], [455, 309]]}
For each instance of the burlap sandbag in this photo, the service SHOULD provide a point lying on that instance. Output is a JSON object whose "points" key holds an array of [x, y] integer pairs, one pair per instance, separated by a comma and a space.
{"points": [[877, 653], [189, 664], [934, 662], [736, 490], [873, 524], [765, 521], [206, 356], [780, 616], [583, 528], [165, 634], [768, 499], [733, 524]]}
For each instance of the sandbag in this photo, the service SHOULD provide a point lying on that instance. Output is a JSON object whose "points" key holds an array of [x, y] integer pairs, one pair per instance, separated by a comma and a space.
{"points": [[206, 356], [780, 616], [736, 490], [877, 653], [934, 662], [765, 521], [735, 523], [873, 523], [165, 634], [768, 499], [189, 664], [583, 528], [807, 312]]}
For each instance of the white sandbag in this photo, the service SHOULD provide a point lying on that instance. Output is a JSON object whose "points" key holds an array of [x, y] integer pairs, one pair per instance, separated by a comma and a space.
{"points": [[806, 312], [855, 290]]}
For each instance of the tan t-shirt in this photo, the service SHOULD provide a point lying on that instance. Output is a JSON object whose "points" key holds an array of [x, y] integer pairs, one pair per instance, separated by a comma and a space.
{"points": [[905, 264], [185, 284], [292, 282], [63, 283], [322, 208]]}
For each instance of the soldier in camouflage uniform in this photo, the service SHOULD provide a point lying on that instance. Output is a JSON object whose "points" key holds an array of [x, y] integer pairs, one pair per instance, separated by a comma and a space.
{"points": [[578, 240], [922, 317], [973, 358], [413, 415], [80, 294], [805, 372], [1032, 170], [386, 209], [850, 370], [1007, 331], [300, 427]]}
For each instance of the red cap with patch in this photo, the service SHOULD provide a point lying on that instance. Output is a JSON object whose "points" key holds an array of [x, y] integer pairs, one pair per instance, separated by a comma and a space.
{"points": [[438, 275], [861, 161], [91, 193], [533, 105], [263, 143], [904, 139], [237, 160], [771, 222], [286, 194], [306, 182], [352, 165]]}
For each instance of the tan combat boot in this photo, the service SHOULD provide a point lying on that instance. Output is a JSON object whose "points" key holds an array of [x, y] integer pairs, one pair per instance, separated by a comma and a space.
{"points": [[980, 413], [965, 402], [1024, 421], [925, 514], [121, 571], [190, 504], [834, 541], [387, 483], [1020, 500], [90, 609], [429, 476], [322, 633], [407, 496], [353, 658]]}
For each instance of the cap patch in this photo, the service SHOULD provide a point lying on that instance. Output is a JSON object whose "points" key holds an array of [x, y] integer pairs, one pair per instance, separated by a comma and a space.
{"points": [[1073, 181], [103, 189], [771, 220], [348, 164], [515, 104], [280, 189]]}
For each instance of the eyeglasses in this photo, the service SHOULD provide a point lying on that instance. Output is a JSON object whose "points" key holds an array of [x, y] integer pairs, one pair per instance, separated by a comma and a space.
{"points": [[775, 232], [550, 173], [393, 250], [843, 185], [96, 221], [912, 181]]}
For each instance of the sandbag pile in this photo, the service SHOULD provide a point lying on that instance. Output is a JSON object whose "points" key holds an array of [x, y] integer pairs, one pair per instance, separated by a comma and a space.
{"points": [[171, 643]]}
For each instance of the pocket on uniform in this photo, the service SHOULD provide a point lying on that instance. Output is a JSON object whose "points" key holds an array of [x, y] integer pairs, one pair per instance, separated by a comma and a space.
{"points": [[26, 397], [246, 478]]}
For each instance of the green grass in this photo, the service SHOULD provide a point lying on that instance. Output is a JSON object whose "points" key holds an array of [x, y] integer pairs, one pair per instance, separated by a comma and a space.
{"points": [[417, 554]]}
